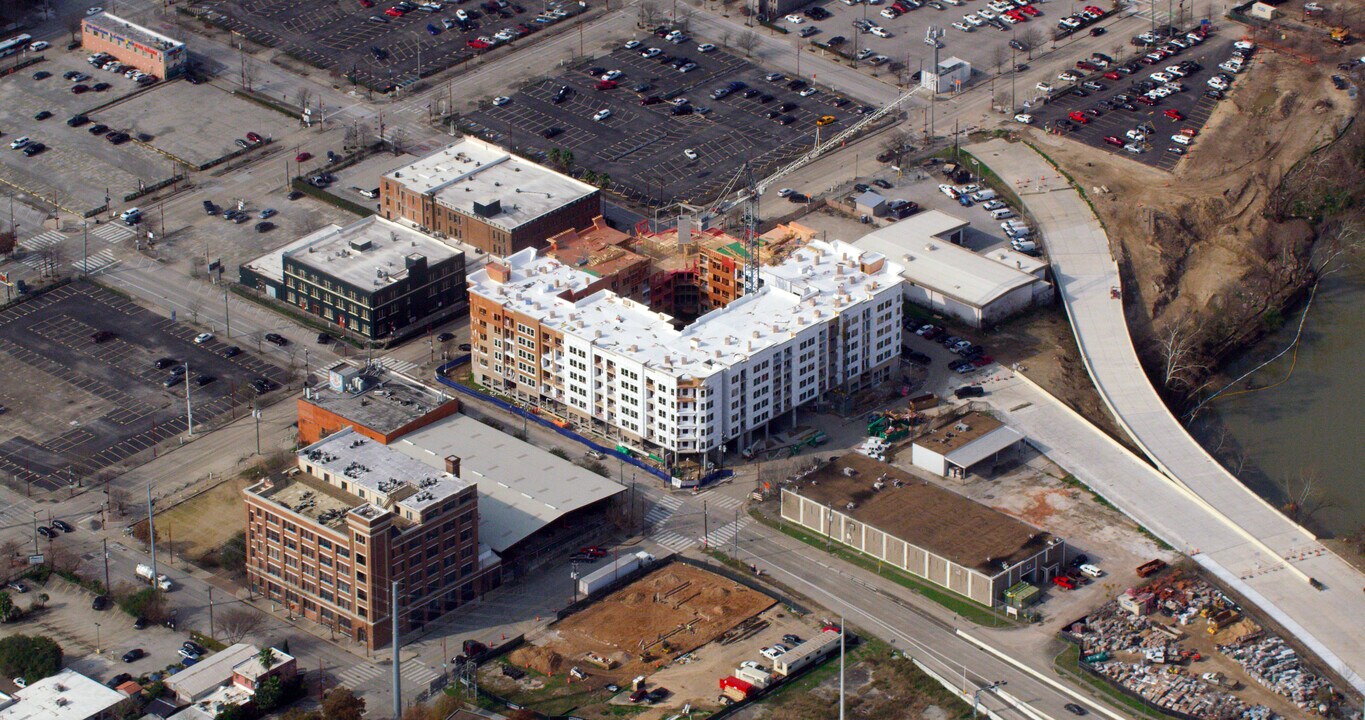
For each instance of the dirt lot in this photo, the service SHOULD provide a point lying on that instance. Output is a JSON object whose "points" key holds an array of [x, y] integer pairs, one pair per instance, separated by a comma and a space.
{"points": [[1199, 254], [698, 608], [184, 524]]}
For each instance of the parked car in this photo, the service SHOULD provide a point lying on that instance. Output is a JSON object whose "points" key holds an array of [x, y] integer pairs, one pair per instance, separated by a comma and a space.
{"points": [[136, 653]]}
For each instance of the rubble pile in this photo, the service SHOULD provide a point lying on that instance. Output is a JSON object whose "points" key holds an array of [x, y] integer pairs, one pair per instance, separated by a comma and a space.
{"points": [[1180, 692]]}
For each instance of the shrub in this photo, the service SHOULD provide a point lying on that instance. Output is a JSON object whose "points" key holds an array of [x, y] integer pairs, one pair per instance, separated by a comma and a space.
{"points": [[30, 657]]}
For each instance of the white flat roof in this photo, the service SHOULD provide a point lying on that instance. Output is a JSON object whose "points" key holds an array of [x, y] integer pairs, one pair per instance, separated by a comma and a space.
{"points": [[813, 285], [68, 695], [522, 488], [113, 23], [382, 470], [984, 446], [210, 672], [1017, 260], [941, 266], [473, 171], [369, 253]]}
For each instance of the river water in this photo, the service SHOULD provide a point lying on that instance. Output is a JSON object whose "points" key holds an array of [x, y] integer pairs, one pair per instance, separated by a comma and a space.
{"points": [[1312, 425]]}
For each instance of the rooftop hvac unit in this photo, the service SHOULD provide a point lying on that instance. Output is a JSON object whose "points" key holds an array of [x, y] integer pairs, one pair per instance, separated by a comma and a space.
{"points": [[962, 427]]}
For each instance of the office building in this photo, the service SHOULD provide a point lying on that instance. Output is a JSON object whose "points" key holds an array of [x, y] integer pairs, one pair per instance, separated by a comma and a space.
{"points": [[482, 195], [370, 400], [327, 540], [826, 319]]}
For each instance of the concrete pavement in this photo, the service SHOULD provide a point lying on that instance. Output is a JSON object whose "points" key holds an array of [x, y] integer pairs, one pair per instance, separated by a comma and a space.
{"points": [[1193, 502]]}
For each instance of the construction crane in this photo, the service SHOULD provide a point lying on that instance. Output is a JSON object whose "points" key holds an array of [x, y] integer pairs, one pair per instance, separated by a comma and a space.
{"points": [[748, 197]]}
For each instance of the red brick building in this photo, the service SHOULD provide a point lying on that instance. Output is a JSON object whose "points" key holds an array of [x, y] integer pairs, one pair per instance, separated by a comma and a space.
{"points": [[378, 407], [134, 45], [327, 540]]}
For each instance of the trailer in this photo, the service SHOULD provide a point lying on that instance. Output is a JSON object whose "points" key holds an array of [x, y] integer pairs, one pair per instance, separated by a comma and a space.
{"points": [[807, 653], [758, 678], [622, 567], [736, 689]]}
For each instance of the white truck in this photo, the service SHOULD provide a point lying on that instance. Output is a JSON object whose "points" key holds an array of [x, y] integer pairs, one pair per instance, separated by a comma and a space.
{"points": [[144, 571]]}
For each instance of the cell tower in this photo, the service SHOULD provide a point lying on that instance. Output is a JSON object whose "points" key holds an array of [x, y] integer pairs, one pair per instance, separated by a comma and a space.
{"points": [[751, 261]]}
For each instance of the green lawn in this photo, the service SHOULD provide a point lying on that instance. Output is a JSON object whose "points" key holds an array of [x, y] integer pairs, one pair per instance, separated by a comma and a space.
{"points": [[967, 609]]}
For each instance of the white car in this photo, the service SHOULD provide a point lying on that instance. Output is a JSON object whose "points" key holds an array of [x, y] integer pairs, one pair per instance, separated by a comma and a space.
{"points": [[1071, 22], [1009, 19], [1217, 83], [881, 32], [40, 45], [601, 115], [963, 27], [1134, 149], [1068, 76], [1231, 67], [992, 205], [611, 74], [1091, 570], [794, 19], [705, 47], [631, 45], [1161, 77], [1194, 39], [1136, 135], [19, 142], [967, 189], [1244, 45], [463, 16], [751, 665], [501, 100], [1182, 140], [890, 14], [202, 338], [808, 92], [1024, 118], [687, 67], [1043, 87], [651, 52], [774, 652], [94, 10], [973, 20], [785, 192], [1174, 71], [985, 14], [690, 154], [948, 190]]}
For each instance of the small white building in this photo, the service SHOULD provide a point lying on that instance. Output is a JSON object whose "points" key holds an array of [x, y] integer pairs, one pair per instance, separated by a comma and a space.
{"points": [[951, 75], [68, 695], [201, 679], [954, 449], [1263, 11], [977, 288]]}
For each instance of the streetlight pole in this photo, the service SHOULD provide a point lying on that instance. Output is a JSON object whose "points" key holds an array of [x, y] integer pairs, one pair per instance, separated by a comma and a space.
{"points": [[97, 639], [976, 696]]}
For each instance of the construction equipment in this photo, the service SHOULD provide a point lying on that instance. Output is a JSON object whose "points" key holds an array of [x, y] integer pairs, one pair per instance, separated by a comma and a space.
{"points": [[1341, 35]]}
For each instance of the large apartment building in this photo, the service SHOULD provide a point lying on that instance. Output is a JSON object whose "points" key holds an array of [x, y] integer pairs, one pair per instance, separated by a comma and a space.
{"points": [[484, 196], [827, 319], [327, 540]]}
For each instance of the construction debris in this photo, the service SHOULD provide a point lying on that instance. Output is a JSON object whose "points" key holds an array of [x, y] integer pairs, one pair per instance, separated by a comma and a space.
{"points": [[1275, 665]]}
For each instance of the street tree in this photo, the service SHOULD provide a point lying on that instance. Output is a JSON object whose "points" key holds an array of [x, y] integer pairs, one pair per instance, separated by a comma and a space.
{"points": [[238, 622], [1030, 39], [747, 41], [342, 704]]}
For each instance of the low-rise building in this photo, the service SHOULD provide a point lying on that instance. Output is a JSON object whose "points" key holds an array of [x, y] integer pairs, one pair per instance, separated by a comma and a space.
{"points": [[327, 539], [980, 289], [951, 75], [373, 278], [196, 682], [953, 449], [925, 530], [372, 401], [68, 695], [134, 45], [605, 252], [481, 194]]}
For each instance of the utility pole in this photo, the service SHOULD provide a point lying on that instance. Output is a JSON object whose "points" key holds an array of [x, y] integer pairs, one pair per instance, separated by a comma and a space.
{"points": [[85, 249], [705, 528], [256, 413], [397, 679], [189, 409], [106, 566], [736, 533], [151, 533], [842, 634], [35, 532], [227, 318], [210, 612]]}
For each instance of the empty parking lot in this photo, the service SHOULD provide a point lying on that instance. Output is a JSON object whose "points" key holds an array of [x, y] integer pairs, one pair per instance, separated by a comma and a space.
{"points": [[75, 407], [643, 147]]}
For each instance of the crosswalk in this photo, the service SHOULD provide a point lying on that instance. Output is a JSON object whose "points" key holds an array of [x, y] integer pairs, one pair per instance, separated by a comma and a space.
{"points": [[42, 240], [725, 534], [715, 499], [662, 510], [414, 672], [96, 262], [396, 365], [112, 233], [675, 541]]}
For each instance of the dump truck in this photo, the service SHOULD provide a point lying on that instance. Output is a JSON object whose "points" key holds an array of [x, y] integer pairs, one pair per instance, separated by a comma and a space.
{"points": [[1150, 568], [1341, 35]]}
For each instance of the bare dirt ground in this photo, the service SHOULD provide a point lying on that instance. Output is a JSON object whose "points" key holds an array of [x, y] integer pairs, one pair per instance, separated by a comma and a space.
{"points": [[1200, 256]]}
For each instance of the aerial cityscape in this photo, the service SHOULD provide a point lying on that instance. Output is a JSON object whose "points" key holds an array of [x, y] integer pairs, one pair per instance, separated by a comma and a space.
{"points": [[682, 359]]}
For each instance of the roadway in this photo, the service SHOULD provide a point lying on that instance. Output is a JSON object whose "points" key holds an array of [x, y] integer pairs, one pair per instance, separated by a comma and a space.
{"points": [[1193, 502]]}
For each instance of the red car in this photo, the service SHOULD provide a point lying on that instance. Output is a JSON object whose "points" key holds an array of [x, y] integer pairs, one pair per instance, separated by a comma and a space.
{"points": [[478, 44], [1145, 100], [1174, 115], [1112, 140], [1063, 581], [367, 3], [1030, 10], [593, 551], [303, 156], [1078, 116], [1094, 9], [1017, 16], [1086, 65], [394, 12], [1111, 75], [252, 137], [606, 84]]}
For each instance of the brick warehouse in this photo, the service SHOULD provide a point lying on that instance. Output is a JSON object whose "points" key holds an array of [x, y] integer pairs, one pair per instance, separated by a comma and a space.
{"points": [[480, 194], [327, 539], [134, 45]]}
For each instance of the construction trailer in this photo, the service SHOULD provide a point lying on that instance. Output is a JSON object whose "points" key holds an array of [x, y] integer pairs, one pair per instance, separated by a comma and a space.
{"points": [[604, 577], [807, 653]]}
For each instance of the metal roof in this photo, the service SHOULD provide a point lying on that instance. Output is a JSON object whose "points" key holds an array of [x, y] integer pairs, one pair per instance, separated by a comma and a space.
{"points": [[984, 446]]}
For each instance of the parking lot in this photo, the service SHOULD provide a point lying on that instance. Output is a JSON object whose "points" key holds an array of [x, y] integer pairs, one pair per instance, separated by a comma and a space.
{"points": [[381, 50], [1192, 105], [75, 406], [643, 148], [172, 113], [76, 168]]}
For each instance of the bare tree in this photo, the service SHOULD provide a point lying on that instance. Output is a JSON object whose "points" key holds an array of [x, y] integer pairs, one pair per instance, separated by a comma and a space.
{"points": [[8, 241], [896, 144], [50, 259], [747, 41], [238, 622], [684, 19], [1000, 55], [1030, 39], [649, 12], [724, 38], [304, 95], [1178, 346], [1304, 497], [117, 497]]}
